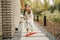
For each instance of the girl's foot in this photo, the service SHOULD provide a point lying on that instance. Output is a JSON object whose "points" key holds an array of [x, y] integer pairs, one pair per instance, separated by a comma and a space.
{"points": [[27, 30]]}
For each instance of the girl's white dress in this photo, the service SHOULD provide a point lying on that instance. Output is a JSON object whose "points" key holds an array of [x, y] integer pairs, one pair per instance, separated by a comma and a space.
{"points": [[30, 21]]}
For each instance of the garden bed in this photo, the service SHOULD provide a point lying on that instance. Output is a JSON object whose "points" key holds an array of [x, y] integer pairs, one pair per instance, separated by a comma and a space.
{"points": [[52, 27]]}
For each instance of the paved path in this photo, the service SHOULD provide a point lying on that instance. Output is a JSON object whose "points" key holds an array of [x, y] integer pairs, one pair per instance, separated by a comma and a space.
{"points": [[41, 34]]}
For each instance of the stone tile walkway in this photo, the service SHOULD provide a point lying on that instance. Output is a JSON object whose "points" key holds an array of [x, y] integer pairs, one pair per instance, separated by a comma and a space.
{"points": [[41, 34]]}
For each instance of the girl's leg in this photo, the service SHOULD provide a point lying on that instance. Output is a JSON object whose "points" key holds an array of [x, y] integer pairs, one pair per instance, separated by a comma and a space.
{"points": [[27, 30], [31, 28]]}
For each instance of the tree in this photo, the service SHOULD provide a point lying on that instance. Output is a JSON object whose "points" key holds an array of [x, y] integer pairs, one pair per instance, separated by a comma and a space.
{"points": [[22, 4]]}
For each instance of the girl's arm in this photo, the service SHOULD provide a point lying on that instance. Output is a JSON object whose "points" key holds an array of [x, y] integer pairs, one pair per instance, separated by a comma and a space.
{"points": [[25, 17]]}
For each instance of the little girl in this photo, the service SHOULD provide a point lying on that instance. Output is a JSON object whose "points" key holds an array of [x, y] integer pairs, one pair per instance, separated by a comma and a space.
{"points": [[28, 16]]}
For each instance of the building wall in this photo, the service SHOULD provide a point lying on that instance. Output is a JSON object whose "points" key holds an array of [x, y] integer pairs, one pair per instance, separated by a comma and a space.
{"points": [[16, 14], [9, 17], [0, 19], [6, 19]]}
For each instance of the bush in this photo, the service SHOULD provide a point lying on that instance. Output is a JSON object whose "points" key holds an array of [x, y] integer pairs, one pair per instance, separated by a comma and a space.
{"points": [[56, 20]]}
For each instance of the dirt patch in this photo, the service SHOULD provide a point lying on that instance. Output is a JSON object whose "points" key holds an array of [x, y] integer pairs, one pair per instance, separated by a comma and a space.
{"points": [[52, 27]]}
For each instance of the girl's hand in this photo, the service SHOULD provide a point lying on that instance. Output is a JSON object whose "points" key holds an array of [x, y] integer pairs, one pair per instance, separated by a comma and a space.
{"points": [[25, 18]]}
